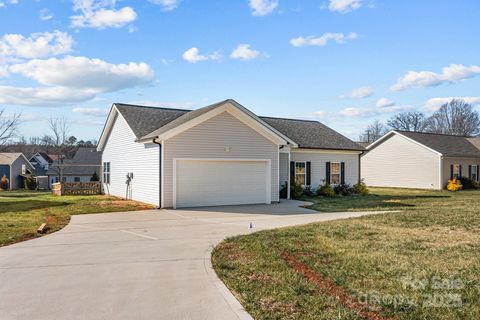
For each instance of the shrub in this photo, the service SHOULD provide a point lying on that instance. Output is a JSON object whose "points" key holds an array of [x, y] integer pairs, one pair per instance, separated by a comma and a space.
{"points": [[454, 185], [30, 183], [283, 191], [307, 191], [94, 177], [361, 188], [296, 190], [4, 183], [467, 183], [326, 190], [343, 189]]}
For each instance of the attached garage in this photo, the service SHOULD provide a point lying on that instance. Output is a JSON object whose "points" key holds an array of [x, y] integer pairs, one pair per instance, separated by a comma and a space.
{"points": [[209, 182]]}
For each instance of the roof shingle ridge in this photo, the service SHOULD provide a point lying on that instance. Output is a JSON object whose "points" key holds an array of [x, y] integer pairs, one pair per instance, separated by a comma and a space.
{"points": [[435, 134], [150, 107]]}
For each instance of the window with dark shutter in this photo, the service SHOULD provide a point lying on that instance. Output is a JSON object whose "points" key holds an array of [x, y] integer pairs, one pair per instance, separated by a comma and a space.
{"points": [[342, 173], [327, 173], [309, 173], [292, 172]]}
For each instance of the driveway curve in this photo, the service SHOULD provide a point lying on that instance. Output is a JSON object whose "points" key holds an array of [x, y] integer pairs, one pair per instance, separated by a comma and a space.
{"points": [[151, 264]]}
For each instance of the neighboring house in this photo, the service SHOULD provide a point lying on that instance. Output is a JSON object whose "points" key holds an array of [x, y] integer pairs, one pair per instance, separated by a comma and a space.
{"points": [[420, 160], [222, 154], [15, 166], [41, 159], [81, 168]]}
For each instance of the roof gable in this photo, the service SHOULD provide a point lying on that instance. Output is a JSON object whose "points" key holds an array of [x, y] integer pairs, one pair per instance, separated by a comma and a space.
{"points": [[445, 145], [148, 123]]}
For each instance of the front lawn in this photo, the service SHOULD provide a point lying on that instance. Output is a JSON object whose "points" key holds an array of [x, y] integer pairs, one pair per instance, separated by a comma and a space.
{"points": [[420, 263], [22, 212]]}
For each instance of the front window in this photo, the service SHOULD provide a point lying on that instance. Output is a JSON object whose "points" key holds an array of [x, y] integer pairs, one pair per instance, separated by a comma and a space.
{"points": [[456, 171], [335, 173], [300, 173], [474, 174], [76, 179], [24, 169], [106, 172], [64, 179]]}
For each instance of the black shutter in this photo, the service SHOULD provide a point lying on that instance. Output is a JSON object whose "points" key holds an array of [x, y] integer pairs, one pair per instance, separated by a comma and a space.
{"points": [[460, 171], [451, 171], [292, 172], [309, 173], [327, 173], [342, 172], [469, 171], [478, 168]]}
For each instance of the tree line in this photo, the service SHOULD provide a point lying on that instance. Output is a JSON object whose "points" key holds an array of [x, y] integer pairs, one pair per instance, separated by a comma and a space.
{"points": [[455, 117]]}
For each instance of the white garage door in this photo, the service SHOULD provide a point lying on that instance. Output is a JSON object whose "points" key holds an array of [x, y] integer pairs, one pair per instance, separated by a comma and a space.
{"points": [[221, 182]]}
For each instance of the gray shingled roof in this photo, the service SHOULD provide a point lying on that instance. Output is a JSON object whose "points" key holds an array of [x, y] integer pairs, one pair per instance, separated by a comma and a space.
{"points": [[87, 156], [143, 120], [84, 163], [312, 134], [447, 145], [307, 134]]}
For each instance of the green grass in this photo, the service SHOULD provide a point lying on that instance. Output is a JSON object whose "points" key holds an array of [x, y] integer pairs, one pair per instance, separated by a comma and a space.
{"points": [[22, 212], [435, 238]]}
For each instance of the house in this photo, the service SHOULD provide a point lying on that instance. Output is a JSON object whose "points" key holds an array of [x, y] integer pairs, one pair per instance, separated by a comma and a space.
{"points": [[15, 166], [41, 159], [420, 160], [222, 154], [85, 163]]}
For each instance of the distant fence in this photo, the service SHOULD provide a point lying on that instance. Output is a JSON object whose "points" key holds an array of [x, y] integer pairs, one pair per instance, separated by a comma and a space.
{"points": [[76, 188]]}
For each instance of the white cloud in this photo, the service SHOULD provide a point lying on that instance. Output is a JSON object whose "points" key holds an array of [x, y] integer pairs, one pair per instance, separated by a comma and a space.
{"points": [[85, 73], [3, 71], [344, 6], [420, 79], [43, 95], [263, 7], [356, 112], [37, 45], [359, 93], [45, 14], [244, 52], [322, 40], [2, 3], [193, 55], [434, 104], [72, 79], [384, 102], [167, 5], [101, 14], [96, 112]]}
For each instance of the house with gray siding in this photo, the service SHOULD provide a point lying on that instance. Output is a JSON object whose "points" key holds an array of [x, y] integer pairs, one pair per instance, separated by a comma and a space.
{"points": [[15, 166], [420, 160], [222, 154]]}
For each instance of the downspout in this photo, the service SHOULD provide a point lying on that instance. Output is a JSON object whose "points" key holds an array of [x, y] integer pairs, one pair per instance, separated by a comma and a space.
{"points": [[159, 173]]}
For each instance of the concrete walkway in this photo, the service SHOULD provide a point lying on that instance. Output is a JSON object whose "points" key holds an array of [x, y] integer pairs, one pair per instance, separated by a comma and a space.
{"points": [[151, 264]]}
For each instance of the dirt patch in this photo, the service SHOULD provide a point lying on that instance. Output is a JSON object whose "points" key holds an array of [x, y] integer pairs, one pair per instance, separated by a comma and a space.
{"points": [[326, 285]]}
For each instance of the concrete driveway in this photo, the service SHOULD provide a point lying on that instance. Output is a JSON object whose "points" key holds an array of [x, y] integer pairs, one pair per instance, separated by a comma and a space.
{"points": [[151, 264]]}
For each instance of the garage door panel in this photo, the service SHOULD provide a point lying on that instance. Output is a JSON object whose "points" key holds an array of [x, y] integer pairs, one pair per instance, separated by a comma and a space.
{"points": [[218, 182]]}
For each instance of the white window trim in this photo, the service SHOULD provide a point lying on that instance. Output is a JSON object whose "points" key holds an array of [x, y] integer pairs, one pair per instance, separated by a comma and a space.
{"points": [[456, 165], [474, 167], [339, 173], [304, 174], [106, 172]]}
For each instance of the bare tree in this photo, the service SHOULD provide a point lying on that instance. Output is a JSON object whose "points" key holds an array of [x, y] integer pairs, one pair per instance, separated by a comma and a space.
{"points": [[58, 142], [408, 121], [373, 132], [456, 118], [8, 128]]}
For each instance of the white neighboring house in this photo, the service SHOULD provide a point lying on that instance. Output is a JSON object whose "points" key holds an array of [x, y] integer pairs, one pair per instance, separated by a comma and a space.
{"points": [[81, 168], [222, 154], [420, 160]]}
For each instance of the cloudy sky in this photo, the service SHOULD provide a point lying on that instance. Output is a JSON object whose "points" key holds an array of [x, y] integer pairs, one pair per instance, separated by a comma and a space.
{"points": [[343, 62]]}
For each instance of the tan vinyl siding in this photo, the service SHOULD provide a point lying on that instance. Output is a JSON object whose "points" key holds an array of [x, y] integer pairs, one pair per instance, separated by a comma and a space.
{"points": [[125, 155], [284, 168], [400, 162], [209, 140], [319, 159], [464, 162]]}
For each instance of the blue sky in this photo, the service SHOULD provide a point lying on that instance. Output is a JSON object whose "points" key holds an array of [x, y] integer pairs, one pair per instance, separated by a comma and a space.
{"points": [[342, 62]]}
